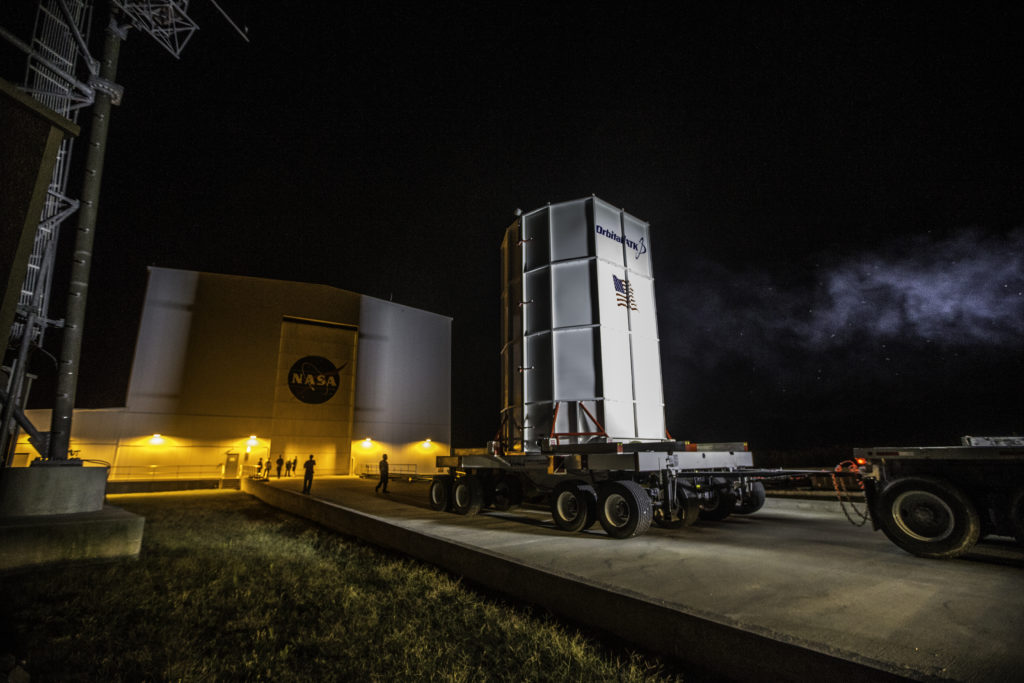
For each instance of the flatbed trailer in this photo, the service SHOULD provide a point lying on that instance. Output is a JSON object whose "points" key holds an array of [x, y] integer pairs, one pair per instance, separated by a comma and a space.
{"points": [[625, 487], [937, 502]]}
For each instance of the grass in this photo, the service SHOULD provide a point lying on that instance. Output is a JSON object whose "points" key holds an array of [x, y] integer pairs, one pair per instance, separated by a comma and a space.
{"points": [[227, 588]]}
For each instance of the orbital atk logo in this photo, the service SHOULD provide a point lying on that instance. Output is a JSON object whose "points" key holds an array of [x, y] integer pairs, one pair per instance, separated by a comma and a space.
{"points": [[639, 248], [314, 379]]}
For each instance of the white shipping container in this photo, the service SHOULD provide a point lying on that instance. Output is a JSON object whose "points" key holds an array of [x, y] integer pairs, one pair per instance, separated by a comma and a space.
{"points": [[581, 359]]}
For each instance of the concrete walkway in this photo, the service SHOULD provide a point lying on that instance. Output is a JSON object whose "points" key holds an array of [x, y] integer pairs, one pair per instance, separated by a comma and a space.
{"points": [[794, 592]]}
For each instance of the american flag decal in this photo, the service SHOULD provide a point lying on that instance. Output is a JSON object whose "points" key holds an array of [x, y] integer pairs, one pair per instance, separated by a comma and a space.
{"points": [[624, 293]]}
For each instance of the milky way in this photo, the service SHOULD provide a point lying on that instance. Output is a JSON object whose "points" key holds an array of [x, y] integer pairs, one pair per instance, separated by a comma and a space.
{"points": [[922, 336], [966, 290]]}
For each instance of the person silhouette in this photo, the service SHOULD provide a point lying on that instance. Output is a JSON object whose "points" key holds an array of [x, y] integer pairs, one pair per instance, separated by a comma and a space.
{"points": [[307, 480], [383, 474], [280, 464]]}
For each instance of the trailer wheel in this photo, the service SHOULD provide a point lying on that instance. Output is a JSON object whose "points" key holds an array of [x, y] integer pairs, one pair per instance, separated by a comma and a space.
{"points": [[573, 506], [928, 517], [467, 495], [689, 505], [721, 504], [685, 513], [751, 500], [1017, 516], [440, 493], [624, 509], [507, 494], [665, 519]]}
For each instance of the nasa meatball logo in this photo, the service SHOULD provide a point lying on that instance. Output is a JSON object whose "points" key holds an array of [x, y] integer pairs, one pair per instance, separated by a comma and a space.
{"points": [[314, 379]]}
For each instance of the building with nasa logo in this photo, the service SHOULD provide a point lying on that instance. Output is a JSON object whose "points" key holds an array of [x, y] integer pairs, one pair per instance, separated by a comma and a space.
{"points": [[229, 371]]}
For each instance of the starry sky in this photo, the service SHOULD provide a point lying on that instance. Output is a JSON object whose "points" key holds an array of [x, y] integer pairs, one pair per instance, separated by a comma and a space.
{"points": [[835, 191]]}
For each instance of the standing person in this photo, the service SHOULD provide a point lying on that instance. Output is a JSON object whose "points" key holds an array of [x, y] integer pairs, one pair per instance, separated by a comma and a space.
{"points": [[307, 481], [280, 464], [383, 467], [288, 468], [259, 468], [295, 465]]}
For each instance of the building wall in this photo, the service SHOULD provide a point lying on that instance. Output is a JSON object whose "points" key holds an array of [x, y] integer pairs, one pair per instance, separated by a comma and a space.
{"points": [[211, 372], [407, 352]]}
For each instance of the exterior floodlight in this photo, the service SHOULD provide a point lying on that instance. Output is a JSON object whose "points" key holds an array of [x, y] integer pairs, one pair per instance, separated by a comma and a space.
{"points": [[367, 442], [156, 439], [427, 443], [253, 441]]}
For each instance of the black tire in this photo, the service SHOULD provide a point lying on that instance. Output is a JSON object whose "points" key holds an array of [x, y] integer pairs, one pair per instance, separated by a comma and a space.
{"points": [[665, 519], [624, 509], [928, 517], [507, 494], [1017, 516], [721, 504], [685, 513], [751, 500], [440, 493], [689, 505], [467, 495], [573, 506], [591, 496]]}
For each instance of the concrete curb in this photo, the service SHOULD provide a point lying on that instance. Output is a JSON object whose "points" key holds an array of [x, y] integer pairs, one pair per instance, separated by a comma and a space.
{"points": [[710, 647]]}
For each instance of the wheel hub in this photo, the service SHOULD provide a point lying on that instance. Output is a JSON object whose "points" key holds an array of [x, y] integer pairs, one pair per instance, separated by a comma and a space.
{"points": [[616, 510], [923, 516], [568, 506]]}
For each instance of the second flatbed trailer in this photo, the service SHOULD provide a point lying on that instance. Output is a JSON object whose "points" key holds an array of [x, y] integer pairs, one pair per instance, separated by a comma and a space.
{"points": [[938, 502]]}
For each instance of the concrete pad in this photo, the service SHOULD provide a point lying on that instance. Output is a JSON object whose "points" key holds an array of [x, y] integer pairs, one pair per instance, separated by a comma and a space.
{"points": [[45, 489], [106, 534], [792, 592]]}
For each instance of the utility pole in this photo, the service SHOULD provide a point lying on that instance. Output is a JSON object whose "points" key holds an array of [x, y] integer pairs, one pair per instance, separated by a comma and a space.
{"points": [[107, 93]]}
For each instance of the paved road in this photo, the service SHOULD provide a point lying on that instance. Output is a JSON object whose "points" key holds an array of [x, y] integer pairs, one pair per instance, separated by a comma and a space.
{"points": [[796, 572]]}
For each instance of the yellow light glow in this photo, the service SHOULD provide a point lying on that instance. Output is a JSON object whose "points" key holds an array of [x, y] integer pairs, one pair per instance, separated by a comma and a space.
{"points": [[253, 441], [367, 442], [427, 443], [156, 439]]}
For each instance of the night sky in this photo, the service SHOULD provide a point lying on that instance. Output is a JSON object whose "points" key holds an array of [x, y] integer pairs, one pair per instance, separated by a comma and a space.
{"points": [[835, 191]]}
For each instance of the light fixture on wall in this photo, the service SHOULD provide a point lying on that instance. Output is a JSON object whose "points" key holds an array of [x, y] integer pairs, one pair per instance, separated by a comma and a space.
{"points": [[156, 440], [427, 443], [367, 442], [253, 441]]}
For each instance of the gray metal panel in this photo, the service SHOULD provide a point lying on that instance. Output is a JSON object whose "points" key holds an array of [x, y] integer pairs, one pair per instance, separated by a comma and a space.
{"points": [[573, 302], [538, 421], [537, 239], [570, 233], [617, 382], [607, 233], [576, 356], [646, 357], [538, 364], [636, 244], [537, 294], [619, 419]]}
